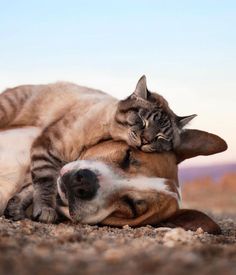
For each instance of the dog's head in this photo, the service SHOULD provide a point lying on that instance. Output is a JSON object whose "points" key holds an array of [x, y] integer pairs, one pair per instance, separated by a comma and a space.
{"points": [[114, 184]]}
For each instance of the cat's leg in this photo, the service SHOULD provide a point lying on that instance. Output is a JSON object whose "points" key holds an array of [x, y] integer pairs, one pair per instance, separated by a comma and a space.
{"points": [[17, 205], [60, 143], [46, 162]]}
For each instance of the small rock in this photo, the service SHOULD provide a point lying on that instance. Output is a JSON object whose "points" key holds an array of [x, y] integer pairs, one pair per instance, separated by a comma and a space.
{"points": [[199, 231], [126, 227], [177, 236]]}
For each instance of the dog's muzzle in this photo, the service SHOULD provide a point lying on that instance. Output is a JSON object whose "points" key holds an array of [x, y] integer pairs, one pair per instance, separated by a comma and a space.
{"points": [[93, 193]]}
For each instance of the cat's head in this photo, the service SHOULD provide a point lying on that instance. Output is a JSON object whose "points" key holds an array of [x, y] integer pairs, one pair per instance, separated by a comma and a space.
{"points": [[151, 125]]}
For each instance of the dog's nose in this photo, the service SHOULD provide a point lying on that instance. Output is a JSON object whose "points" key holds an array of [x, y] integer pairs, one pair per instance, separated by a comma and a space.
{"points": [[81, 183]]}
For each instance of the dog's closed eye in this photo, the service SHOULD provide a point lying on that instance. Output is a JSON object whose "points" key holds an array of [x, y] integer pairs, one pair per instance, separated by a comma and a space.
{"points": [[128, 160], [125, 163]]}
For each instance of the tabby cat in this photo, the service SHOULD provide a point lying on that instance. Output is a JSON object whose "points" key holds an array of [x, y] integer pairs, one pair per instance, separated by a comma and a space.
{"points": [[152, 126], [72, 118]]}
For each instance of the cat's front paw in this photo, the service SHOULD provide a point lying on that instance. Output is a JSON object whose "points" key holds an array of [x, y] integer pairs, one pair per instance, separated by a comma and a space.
{"points": [[45, 214], [14, 209]]}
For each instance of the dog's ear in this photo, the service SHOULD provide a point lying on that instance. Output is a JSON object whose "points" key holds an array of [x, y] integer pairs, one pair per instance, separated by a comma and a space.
{"points": [[195, 142], [192, 220]]}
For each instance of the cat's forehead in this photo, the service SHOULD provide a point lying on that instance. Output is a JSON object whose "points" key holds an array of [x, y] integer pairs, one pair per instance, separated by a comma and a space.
{"points": [[133, 103], [158, 100], [149, 111], [154, 102]]}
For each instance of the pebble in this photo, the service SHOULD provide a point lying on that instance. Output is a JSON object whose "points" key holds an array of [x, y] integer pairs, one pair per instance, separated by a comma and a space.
{"points": [[126, 227], [177, 236]]}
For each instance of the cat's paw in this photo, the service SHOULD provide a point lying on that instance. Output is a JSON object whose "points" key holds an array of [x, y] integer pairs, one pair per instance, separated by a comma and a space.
{"points": [[45, 214], [14, 209], [3, 200]]}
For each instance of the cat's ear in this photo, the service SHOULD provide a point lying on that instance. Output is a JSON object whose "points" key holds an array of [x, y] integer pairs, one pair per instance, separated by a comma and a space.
{"points": [[191, 220], [195, 143], [184, 120], [141, 90]]}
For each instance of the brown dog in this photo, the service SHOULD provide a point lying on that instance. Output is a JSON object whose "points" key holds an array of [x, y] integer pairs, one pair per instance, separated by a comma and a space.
{"points": [[114, 184]]}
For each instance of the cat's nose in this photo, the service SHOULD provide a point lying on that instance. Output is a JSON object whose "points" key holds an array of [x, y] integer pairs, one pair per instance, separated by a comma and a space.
{"points": [[146, 138], [144, 141], [82, 183]]}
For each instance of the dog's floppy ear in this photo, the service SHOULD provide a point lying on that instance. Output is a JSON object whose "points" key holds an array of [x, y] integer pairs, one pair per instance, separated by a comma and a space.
{"points": [[195, 142], [191, 220]]}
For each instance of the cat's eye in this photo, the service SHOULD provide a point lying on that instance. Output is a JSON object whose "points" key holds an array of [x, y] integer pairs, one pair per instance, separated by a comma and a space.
{"points": [[162, 123], [157, 116]]}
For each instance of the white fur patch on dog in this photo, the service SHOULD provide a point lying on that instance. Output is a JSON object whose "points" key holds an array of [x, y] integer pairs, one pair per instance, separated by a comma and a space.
{"points": [[98, 167], [15, 147]]}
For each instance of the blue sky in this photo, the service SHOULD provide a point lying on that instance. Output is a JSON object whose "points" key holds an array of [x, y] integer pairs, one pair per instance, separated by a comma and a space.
{"points": [[186, 49]]}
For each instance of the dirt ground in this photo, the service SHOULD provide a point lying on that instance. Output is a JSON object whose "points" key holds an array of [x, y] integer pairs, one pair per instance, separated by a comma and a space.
{"points": [[28, 247]]}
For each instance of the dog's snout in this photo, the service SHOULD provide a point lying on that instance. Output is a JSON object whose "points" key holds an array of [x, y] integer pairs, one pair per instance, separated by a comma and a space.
{"points": [[82, 183]]}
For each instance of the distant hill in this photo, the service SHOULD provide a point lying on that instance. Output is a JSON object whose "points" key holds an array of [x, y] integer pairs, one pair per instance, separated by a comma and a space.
{"points": [[213, 171]]}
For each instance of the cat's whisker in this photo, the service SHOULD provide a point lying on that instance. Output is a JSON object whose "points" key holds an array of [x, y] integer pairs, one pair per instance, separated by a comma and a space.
{"points": [[134, 138]]}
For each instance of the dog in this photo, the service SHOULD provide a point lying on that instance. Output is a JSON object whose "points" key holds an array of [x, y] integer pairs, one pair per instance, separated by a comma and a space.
{"points": [[112, 183]]}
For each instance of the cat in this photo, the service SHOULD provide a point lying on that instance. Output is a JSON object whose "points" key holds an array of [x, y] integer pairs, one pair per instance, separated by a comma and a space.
{"points": [[72, 118], [152, 126]]}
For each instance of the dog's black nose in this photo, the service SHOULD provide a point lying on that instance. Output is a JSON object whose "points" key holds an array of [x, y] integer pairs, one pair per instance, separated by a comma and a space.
{"points": [[81, 183]]}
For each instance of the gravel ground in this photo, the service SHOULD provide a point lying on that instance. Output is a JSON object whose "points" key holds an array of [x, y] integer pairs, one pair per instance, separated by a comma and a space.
{"points": [[27, 247]]}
